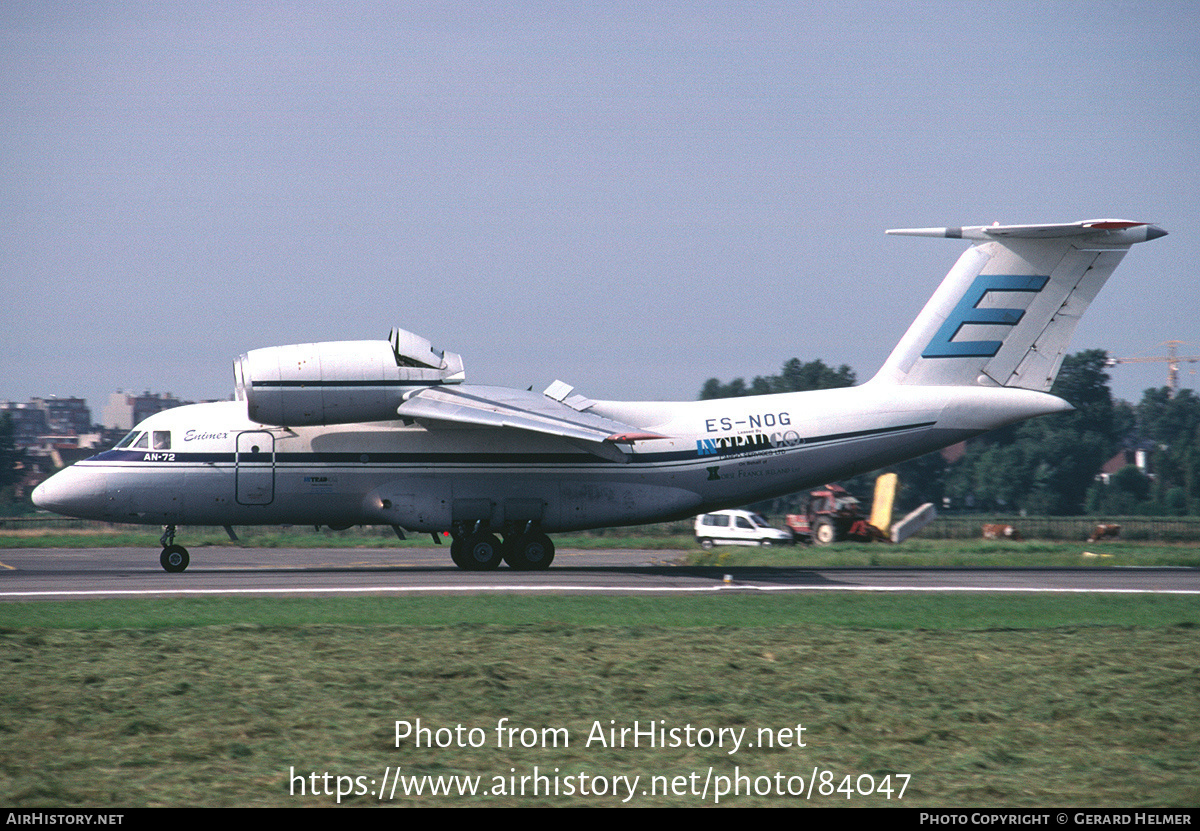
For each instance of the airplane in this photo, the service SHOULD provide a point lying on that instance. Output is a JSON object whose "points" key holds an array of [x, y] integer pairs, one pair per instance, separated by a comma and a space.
{"points": [[388, 432]]}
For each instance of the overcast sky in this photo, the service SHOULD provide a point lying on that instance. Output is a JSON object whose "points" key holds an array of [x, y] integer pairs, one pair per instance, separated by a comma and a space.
{"points": [[631, 197]]}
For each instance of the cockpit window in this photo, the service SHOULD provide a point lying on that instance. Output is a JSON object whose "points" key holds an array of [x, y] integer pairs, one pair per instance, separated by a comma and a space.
{"points": [[162, 439], [143, 441], [128, 440]]}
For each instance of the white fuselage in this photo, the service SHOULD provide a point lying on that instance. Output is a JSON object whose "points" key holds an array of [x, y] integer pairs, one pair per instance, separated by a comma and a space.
{"points": [[218, 467], [388, 432]]}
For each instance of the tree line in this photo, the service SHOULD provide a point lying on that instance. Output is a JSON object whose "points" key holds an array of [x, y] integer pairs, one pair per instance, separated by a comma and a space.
{"points": [[1044, 466]]}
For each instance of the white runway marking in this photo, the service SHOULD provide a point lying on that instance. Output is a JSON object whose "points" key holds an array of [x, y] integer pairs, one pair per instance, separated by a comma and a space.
{"points": [[500, 589]]}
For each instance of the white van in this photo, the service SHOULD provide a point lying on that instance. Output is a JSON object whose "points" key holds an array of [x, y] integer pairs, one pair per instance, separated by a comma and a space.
{"points": [[737, 528]]}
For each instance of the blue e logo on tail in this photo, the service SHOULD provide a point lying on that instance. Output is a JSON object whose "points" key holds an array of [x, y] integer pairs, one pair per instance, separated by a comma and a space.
{"points": [[942, 345]]}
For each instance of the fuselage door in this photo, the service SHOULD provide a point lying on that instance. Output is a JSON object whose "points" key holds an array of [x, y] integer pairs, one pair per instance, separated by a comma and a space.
{"points": [[255, 468]]}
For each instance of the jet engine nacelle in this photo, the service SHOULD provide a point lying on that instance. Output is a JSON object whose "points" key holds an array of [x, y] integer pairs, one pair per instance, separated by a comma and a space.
{"points": [[340, 382]]}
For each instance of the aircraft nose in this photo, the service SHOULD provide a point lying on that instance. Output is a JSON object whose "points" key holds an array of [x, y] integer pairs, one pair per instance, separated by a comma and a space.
{"points": [[41, 495], [68, 492]]}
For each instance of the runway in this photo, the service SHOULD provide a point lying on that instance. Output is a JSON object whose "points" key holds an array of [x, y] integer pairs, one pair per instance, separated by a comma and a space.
{"points": [[81, 573]]}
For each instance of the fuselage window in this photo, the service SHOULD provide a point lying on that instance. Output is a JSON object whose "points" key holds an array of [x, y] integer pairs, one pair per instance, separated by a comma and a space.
{"points": [[162, 439], [143, 442]]}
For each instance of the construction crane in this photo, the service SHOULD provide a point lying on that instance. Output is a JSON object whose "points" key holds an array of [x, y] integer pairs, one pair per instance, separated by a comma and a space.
{"points": [[1172, 359]]}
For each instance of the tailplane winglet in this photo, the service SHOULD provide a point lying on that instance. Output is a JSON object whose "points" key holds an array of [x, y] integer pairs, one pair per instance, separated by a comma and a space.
{"points": [[1005, 313]]}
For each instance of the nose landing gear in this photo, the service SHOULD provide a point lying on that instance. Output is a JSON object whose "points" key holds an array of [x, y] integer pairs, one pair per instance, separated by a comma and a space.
{"points": [[174, 558]]}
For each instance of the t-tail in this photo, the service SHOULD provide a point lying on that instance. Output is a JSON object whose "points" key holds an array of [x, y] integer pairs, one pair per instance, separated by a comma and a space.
{"points": [[1006, 311]]}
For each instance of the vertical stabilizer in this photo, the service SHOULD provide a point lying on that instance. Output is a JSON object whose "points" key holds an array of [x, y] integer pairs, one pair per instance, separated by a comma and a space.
{"points": [[1005, 313]]}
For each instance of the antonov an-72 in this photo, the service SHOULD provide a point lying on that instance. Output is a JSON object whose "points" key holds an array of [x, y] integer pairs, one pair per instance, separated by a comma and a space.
{"points": [[386, 432]]}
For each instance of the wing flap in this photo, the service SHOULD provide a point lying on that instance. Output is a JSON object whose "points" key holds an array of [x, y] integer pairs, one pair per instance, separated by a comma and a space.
{"points": [[522, 410]]}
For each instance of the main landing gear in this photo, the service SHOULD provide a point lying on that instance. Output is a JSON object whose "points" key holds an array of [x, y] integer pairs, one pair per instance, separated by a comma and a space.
{"points": [[475, 548], [524, 549], [174, 558]]}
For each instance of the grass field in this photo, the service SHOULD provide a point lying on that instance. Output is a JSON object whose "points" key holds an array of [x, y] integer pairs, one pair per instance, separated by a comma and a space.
{"points": [[960, 701], [958, 554], [672, 537]]}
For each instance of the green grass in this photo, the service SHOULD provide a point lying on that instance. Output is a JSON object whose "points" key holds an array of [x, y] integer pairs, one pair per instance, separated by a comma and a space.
{"points": [[984, 701], [913, 552], [956, 553], [858, 611], [126, 536]]}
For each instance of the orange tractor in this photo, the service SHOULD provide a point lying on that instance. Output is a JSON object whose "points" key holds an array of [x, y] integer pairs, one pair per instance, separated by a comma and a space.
{"points": [[831, 515]]}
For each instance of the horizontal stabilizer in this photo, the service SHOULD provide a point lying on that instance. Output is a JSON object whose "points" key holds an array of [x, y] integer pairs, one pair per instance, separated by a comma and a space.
{"points": [[1099, 231]]}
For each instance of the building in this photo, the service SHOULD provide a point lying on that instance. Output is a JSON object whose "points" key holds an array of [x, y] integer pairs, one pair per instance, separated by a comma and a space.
{"points": [[41, 417], [124, 410]]}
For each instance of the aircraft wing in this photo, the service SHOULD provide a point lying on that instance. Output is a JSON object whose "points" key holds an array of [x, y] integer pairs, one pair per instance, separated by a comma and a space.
{"points": [[559, 415]]}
